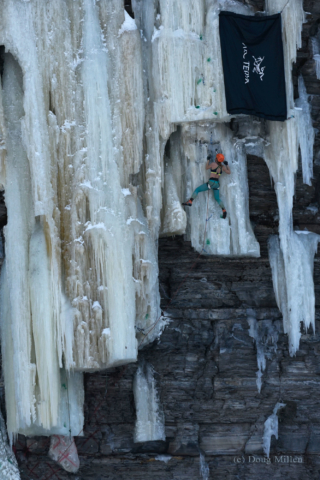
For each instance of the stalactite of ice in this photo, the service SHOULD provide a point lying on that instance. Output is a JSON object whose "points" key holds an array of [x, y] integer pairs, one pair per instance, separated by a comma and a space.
{"points": [[271, 428], [306, 133], [8, 464], [292, 275], [265, 336], [315, 44], [204, 468], [150, 421], [293, 17], [63, 450]]}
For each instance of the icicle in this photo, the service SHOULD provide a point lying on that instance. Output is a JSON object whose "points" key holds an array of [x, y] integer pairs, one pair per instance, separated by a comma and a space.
{"points": [[316, 53], [265, 336], [271, 428], [149, 422], [292, 275], [204, 468], [305, 132]]}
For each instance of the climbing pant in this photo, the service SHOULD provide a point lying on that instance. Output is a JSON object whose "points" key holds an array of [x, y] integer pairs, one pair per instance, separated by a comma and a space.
{"points": [[214, 185]]}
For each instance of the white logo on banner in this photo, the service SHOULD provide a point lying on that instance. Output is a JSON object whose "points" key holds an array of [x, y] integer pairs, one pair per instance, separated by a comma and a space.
{"points": [[257, 66], [246, 65]]}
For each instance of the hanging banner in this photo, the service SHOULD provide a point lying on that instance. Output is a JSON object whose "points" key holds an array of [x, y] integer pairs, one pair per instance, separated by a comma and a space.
{"points": [[253, 65]]}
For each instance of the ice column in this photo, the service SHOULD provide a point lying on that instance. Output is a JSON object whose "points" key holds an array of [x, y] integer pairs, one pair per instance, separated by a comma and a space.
{"points": [[305, 131], [150, 421], [271, 428], [316, 53]]}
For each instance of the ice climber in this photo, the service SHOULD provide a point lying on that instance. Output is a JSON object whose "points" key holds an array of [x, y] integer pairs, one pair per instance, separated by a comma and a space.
{"points": [[216, 168]]}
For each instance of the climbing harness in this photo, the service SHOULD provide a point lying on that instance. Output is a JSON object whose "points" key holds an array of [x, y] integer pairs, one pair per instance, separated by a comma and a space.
{"points": [[212, 187]]}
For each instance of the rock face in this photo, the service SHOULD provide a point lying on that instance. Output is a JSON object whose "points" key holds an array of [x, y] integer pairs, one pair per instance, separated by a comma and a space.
{"points": [[205, 362]]}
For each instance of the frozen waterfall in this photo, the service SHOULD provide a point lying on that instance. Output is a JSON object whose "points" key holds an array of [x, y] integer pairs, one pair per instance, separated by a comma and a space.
{"points": [[105, 126]]}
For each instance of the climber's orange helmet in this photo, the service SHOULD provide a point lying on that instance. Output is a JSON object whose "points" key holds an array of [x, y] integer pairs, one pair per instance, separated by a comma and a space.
{"points": [[219, 157]]}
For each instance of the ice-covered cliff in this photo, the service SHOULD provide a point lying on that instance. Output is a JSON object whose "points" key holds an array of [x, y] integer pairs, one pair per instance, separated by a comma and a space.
{"points": [[106, 123]]}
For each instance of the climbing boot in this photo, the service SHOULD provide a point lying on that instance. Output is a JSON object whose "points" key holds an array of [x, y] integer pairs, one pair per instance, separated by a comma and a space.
{"points": [[224, 214], [188, 203]]}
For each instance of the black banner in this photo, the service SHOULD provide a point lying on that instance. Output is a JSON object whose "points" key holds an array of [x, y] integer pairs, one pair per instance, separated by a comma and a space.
{"points": [[253, 65]]}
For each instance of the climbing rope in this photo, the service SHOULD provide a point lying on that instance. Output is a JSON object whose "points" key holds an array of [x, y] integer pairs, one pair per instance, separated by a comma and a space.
{"points": [[285, 6], [183, 280]]}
